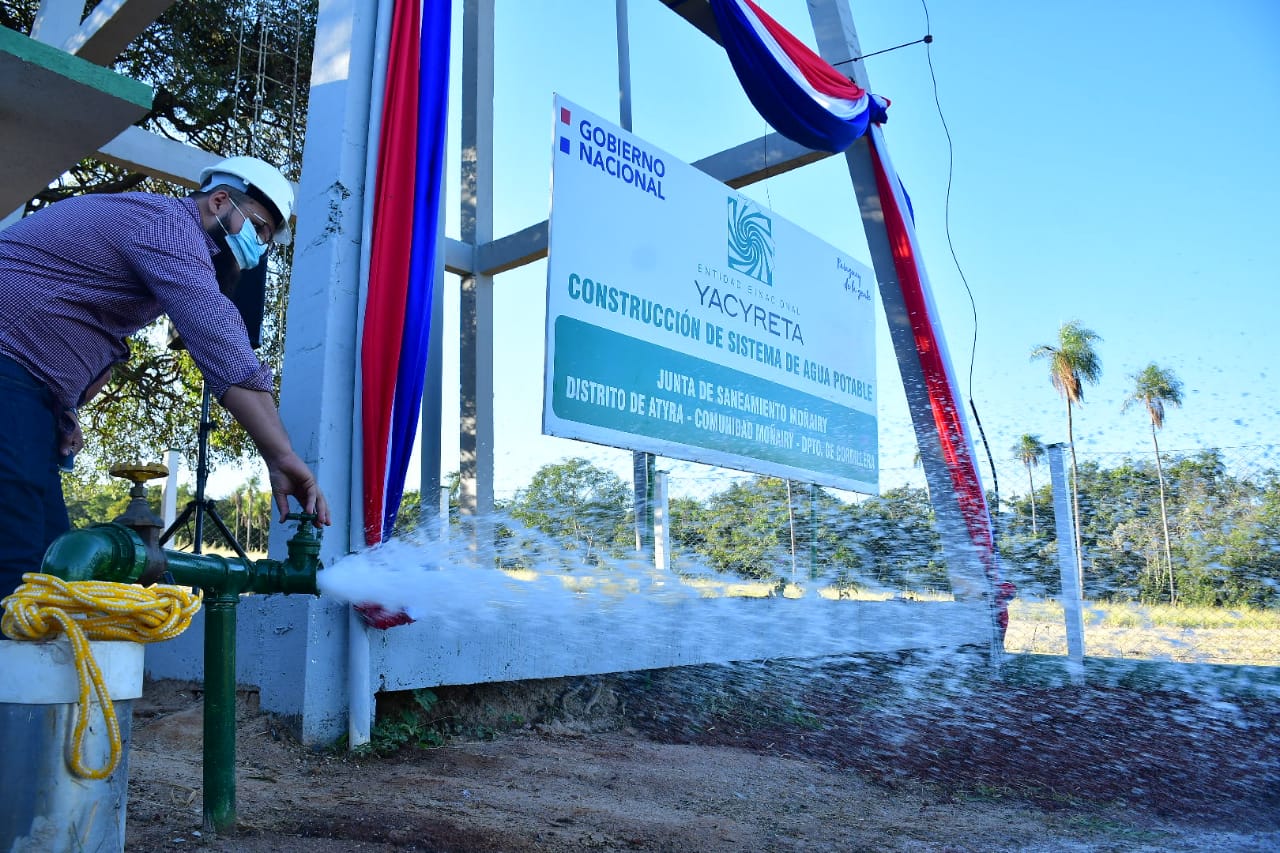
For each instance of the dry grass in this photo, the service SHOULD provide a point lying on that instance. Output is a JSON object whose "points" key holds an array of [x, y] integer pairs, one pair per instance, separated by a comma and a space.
{"points": [[1184, 634]]}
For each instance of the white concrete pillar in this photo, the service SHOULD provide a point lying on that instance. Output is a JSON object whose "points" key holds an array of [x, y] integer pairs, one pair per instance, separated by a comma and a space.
{"points": [[1068, 566], [295, 647], [172, 459], [661, 522]]}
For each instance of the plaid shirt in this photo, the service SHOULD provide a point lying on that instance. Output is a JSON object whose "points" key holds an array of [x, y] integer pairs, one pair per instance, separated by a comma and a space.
{"points": [[82, 275]]}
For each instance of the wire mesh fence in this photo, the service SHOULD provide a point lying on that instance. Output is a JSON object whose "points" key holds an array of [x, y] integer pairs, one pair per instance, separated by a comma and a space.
{"points": [[1220, 508]]}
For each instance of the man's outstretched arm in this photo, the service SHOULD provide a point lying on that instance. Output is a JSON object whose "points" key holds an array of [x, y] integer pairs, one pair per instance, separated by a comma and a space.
{"points": [[289, 475]]}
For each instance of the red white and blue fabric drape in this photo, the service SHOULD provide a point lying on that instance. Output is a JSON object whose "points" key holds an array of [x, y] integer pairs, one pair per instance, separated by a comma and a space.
{"points": [[809, 101], [406, 220], [944, 402], [796, 91]]}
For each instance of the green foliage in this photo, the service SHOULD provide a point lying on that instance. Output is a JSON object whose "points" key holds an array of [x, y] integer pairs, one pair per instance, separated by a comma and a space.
{"points": [[1224, 534], [414, 726], [899, 542], [745, 530], [1030, 560], [581, 507], [413, 513], [409, 517], [1073, 362], [232, 78], [247, 511], [1154, 387], [91, 502], [1029, 450]]}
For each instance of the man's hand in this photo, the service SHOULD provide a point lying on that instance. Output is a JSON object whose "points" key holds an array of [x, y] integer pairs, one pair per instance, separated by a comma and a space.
{"points": [[70, 439], [290, 476], [256, 412]]}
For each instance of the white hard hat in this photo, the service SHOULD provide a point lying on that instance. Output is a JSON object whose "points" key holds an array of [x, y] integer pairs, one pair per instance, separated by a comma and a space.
{"points": [[259, 179]]}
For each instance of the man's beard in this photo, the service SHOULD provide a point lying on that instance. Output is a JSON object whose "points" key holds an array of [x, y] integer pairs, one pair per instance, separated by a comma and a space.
{"points": [[225, 268]]}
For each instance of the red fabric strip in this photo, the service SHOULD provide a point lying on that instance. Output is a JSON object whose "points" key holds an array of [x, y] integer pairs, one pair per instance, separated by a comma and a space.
{"points": [[947, 413], [389, 258]]}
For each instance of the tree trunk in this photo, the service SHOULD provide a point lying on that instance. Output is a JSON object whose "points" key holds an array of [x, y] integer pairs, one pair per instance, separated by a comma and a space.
{"points": [[791, 522], [1075, 497], [1164, 515]]}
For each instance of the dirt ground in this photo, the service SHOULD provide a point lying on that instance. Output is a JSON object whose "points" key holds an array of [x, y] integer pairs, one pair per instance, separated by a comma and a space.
{"points": [[845, 756]]}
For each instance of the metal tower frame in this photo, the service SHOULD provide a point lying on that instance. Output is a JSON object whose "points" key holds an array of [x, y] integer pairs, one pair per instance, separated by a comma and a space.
{"points": [[478, 256]]}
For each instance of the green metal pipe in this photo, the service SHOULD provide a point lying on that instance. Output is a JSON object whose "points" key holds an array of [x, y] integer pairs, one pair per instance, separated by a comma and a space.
{"points": [[112, 552], [220, 712], [103, 552]]}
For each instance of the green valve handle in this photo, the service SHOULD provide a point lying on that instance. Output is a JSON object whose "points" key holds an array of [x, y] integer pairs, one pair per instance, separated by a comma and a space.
{"points": [[304, 553]]}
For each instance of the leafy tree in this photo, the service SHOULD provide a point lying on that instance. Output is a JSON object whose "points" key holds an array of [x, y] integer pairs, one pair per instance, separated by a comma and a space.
{"points": [[746, 529], [1072, 364], [231, 78], [1030, 562], [896, 544], [688, 530], [1117, 529], [1154, 387], [1252, 546], [1225, 533], [409, 516], [91, 502], [250, 515], [1218, 525], [1030, 452], [581, 506]]}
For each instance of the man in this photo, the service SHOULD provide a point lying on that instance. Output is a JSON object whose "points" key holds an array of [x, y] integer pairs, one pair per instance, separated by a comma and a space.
{"points": [[82, 275]]}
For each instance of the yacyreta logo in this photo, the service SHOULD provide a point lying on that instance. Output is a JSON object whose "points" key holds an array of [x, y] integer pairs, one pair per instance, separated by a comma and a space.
{"points": [[750, 240], [616, 157]]}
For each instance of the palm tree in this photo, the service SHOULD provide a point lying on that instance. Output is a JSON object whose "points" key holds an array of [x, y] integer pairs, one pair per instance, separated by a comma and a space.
{"points": [[1030, 450], [1072, 363], [917, 461], [1155, 388]]}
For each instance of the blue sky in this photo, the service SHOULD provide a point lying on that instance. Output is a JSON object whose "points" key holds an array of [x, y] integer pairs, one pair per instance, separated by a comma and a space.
{"points": [[1112, 163]]}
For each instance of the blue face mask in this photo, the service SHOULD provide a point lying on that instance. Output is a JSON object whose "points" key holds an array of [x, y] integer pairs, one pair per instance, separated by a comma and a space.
{"points": [[244, 245]]}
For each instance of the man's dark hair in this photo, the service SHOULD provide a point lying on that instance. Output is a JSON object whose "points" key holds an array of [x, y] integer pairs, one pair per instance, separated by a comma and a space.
{"points": [[240, 196]]}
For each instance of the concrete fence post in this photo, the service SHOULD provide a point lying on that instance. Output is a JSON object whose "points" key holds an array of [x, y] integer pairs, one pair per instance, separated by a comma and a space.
{"points": [[1068, 566]]}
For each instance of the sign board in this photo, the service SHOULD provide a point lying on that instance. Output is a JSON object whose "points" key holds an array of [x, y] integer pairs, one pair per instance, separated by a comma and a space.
{"points": [[686, 320]]}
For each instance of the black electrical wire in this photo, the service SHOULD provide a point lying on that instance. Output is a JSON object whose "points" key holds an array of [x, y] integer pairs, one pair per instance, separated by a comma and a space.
{"points": [[927, 39], [973, 305]]}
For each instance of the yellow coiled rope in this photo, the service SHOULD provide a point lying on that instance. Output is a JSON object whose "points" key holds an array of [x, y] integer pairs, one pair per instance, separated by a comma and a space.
{"points": [[45, 606]]}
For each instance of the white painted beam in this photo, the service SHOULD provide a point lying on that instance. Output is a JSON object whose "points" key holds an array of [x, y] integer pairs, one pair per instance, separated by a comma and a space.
{"points": [[56, 20], [459, 257], [143, 151], [112, 24], [515, 250], [757, 159], [1068, 564], [56, 109]]}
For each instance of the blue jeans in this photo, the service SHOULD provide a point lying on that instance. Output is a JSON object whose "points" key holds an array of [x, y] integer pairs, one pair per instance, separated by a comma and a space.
{"points": [[32, 510]]}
